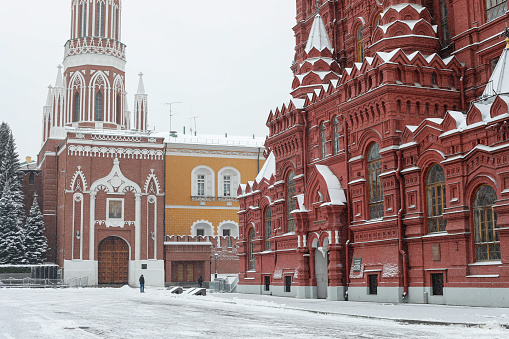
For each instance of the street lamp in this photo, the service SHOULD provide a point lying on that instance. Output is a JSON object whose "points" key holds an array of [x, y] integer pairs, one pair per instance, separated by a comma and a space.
{"points": [[215, 258]]}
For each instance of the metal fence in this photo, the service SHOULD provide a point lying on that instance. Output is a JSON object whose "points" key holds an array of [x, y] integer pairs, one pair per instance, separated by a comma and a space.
{"points": [[32, 283]]}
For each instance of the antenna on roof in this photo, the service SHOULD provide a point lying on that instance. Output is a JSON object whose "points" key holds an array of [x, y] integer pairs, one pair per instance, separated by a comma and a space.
{"points": [[172, 133], [194, 118]]}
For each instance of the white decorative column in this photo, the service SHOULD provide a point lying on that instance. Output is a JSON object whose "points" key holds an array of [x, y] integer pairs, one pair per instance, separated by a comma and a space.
{"points": [[91, 246], [137, 226]]}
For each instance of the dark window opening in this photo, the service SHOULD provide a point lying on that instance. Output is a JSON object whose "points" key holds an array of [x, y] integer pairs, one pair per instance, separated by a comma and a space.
{"points": [[288, 283], [445, 23], [373, 283], [31, 178], [267, 283], [99, 107], [437, 284]]}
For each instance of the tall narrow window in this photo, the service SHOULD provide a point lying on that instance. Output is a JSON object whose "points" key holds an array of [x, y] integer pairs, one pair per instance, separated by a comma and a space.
{"points": [[377, 20], [227, 183], [201, 185], [290, 201], [360, 44], [119, 110], [227, 235], [116, 24], [495, 9], [31, 179], [99, 107], [100, 20], [487, 240], [376, 205], [83, 20], [436, 199], [250, 254], [323, 141], [335, 131], [76, 107], [268, 227], [445, 22]]}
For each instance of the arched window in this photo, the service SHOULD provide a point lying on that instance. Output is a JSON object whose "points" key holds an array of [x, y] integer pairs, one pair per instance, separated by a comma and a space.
{"points": [[360, 44], [323, 141], [335, 128], [290, 201], [76, 107], [31, 179], [487, 241], [495, 9], [202, 182], [436, 199], [100, 19], [377, 20], [250, 254], [99, 107], [119, 110], [268, 227], [376, 205], [228, 182]]}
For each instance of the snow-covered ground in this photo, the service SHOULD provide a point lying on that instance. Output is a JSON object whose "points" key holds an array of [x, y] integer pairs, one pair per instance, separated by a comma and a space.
{"points": [[126, 313]]}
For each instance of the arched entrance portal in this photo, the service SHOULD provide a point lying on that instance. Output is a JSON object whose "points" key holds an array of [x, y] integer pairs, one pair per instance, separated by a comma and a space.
{"points": [[113, 261]]}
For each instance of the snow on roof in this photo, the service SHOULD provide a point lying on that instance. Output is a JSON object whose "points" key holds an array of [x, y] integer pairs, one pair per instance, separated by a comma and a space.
{"points": [[412, 128], [268, 169], [410, 23], [499, 80], [400, 7], [318, 37], [213, 139], [336, 193], [300, 202], [461, 119]]}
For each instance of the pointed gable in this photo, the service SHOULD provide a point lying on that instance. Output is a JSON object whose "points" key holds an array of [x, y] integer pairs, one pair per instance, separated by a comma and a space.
{"points": [[499, 80]]}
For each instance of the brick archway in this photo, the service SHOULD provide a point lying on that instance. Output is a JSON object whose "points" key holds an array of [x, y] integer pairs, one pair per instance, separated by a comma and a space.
{"points": [[113, 261]]}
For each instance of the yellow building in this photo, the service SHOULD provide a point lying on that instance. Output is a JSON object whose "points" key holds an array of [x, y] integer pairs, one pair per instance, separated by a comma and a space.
{"points": [[202, 176]]}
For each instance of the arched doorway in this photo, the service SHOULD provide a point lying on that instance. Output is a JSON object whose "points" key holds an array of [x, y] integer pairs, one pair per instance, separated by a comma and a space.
{"points": [[113, 261]]}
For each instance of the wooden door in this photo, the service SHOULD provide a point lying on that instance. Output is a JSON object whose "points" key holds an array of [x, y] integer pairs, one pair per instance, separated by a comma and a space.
{"points": [[190, 272], [113, 261]]}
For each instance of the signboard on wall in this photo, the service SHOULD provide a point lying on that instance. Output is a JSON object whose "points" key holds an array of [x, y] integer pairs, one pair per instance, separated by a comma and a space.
{"points": [[357, 264]]}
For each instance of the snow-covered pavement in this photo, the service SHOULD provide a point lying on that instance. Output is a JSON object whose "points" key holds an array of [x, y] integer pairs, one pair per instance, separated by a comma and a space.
{"points": [[125, 313]]}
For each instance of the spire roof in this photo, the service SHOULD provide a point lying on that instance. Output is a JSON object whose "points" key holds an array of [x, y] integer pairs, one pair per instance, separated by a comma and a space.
{"points": [[499, 80], [50, 96], [59, 82], [141, 86], [318, 37]]}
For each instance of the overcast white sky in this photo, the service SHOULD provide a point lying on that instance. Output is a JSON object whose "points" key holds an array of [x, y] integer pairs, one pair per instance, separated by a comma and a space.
{"points": [[228, 61]]}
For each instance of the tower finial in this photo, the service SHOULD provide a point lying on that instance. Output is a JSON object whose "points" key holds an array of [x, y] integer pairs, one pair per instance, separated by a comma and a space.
{"points": [[141, 86]]}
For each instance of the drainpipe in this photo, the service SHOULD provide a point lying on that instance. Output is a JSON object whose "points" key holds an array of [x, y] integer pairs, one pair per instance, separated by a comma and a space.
{"points": [[348, 209], [462, 88], [305, 148], [400, 226], [258, 161]]}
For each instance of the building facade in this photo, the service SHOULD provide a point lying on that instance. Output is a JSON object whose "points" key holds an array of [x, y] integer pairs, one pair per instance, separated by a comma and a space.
{"points": [[102, 181], [388, 174], [203, 173]]}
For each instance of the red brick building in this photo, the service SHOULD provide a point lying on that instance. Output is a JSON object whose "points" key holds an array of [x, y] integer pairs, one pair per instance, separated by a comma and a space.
{"points": [[102, 181], [388, 174]]}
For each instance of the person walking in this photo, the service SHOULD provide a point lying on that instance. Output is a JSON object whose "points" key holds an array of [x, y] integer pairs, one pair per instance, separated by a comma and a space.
{"points": [[142, 284], [200, 281]]}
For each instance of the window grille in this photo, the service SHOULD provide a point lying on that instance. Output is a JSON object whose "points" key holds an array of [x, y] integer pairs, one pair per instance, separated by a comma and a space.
{"points": [[323, 140], [437, 284], [268, 227], [76, 107], [252, 262], [373, 284], [376, 205], [360, 44], [487, 240], [336, 135], [290, 201], [99, 107], [436, 199]]}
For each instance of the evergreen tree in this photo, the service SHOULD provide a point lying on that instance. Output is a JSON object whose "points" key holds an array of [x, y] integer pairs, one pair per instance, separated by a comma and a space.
{"points": [[10, 166], [36, 243], [5, 131], [12, 250]]}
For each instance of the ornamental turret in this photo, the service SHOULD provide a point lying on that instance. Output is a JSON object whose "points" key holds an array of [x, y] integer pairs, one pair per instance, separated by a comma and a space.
{"points": [[140, 106]]}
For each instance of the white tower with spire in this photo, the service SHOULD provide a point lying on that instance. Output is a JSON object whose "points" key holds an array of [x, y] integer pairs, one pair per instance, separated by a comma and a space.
{"points": [[140, 107]]}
